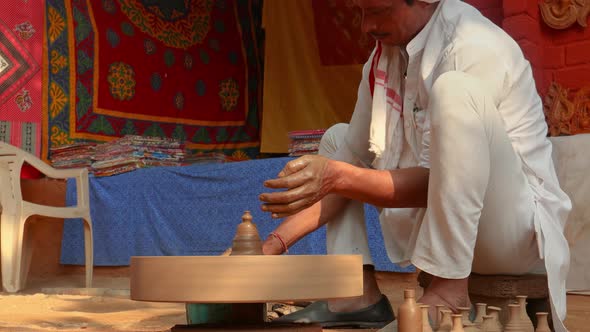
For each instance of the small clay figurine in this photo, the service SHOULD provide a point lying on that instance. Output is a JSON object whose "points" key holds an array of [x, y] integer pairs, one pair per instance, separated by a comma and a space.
{"points": [[246, 241]]}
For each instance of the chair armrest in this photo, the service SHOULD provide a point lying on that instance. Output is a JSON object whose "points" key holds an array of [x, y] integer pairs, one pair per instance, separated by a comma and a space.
{"points": [[54, 172]]}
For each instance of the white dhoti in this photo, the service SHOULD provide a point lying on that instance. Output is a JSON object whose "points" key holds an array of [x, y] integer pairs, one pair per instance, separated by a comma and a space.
{"points": [[480, 214]]}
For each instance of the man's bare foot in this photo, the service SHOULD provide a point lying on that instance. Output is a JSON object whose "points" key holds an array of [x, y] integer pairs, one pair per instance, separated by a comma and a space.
{"points": [[371, 294], [452, 293]]}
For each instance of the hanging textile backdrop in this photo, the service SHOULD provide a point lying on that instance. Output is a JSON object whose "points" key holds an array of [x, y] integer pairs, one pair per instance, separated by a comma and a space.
{"points": [[21, 38], [313, 62], [182, 69]]}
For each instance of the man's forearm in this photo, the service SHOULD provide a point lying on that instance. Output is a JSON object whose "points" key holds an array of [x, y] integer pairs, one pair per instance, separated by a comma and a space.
{"points": [[399, 188], [295, 227]]}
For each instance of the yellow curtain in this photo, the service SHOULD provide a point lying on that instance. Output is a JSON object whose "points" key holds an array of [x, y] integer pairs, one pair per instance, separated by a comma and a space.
{"points": [[300, 93]]}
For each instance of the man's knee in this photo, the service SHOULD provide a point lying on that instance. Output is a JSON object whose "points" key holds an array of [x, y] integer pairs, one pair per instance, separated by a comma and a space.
{"points": [[332, 138]]}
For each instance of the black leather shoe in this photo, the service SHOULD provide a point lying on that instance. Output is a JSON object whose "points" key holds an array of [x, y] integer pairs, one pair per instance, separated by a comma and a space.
{"points": [[374, 316]]}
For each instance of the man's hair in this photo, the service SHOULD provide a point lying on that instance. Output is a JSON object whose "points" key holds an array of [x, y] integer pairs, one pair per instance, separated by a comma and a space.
{"points": [[410, 2]]}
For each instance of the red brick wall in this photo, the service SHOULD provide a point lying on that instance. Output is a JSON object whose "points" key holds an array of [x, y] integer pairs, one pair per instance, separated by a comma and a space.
{"points": [[492, 9], [568, 62], [555, 55]]}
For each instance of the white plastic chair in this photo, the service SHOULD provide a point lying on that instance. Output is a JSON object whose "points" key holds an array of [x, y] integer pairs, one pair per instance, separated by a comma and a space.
{"points": [[15, 249]]}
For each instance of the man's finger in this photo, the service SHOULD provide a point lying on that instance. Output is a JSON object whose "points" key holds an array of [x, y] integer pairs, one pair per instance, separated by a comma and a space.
{"points": [[291, 181], [294, 166], [283, 197], [282, 215], [283, 210]]}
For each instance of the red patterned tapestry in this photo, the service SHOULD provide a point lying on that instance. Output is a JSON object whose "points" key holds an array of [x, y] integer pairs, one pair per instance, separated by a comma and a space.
{"points": [[185, 69], [21, 38], [338, 33]]}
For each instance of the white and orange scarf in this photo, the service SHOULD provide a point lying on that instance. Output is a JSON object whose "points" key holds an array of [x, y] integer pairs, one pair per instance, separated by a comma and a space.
{"points": [[387, 127], [387, 130]]}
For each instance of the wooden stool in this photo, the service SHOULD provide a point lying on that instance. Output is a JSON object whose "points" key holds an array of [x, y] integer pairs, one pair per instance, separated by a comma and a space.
{"points": [[501, 290]]}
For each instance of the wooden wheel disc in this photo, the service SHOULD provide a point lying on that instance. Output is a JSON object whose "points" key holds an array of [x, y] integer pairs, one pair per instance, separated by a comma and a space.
{"points": [[245, 279]]}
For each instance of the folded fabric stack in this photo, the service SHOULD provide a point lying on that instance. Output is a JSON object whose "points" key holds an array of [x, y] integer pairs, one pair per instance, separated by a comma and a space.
{"points": [[302, 142], [132, 152], [156, 151], [72, 155], [113, 158], [119, 156]]}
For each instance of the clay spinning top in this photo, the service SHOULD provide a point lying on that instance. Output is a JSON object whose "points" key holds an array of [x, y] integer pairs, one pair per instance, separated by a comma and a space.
{"points": [[247, 241]]}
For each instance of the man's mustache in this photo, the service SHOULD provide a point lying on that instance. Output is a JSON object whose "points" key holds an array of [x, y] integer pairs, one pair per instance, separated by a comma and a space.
{"points": [[378, 35]]}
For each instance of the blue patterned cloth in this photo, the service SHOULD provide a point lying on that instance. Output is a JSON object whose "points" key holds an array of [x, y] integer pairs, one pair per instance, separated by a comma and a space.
{"points": [[190, 210]]}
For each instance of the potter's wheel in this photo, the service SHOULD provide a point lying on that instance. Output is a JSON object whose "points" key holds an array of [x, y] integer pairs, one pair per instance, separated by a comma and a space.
{"points": [[245, 279]]}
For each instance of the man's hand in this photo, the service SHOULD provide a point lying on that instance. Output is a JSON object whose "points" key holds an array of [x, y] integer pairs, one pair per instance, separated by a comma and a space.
{"points": [[307, 180]]}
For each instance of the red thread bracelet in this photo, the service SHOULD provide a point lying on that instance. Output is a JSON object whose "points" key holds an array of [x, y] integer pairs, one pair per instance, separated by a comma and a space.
{"points": [[283, 244]]}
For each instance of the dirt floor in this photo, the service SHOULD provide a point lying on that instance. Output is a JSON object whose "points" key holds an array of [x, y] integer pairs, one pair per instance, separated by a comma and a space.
{"points": [[54, 305], [62, 304]]}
